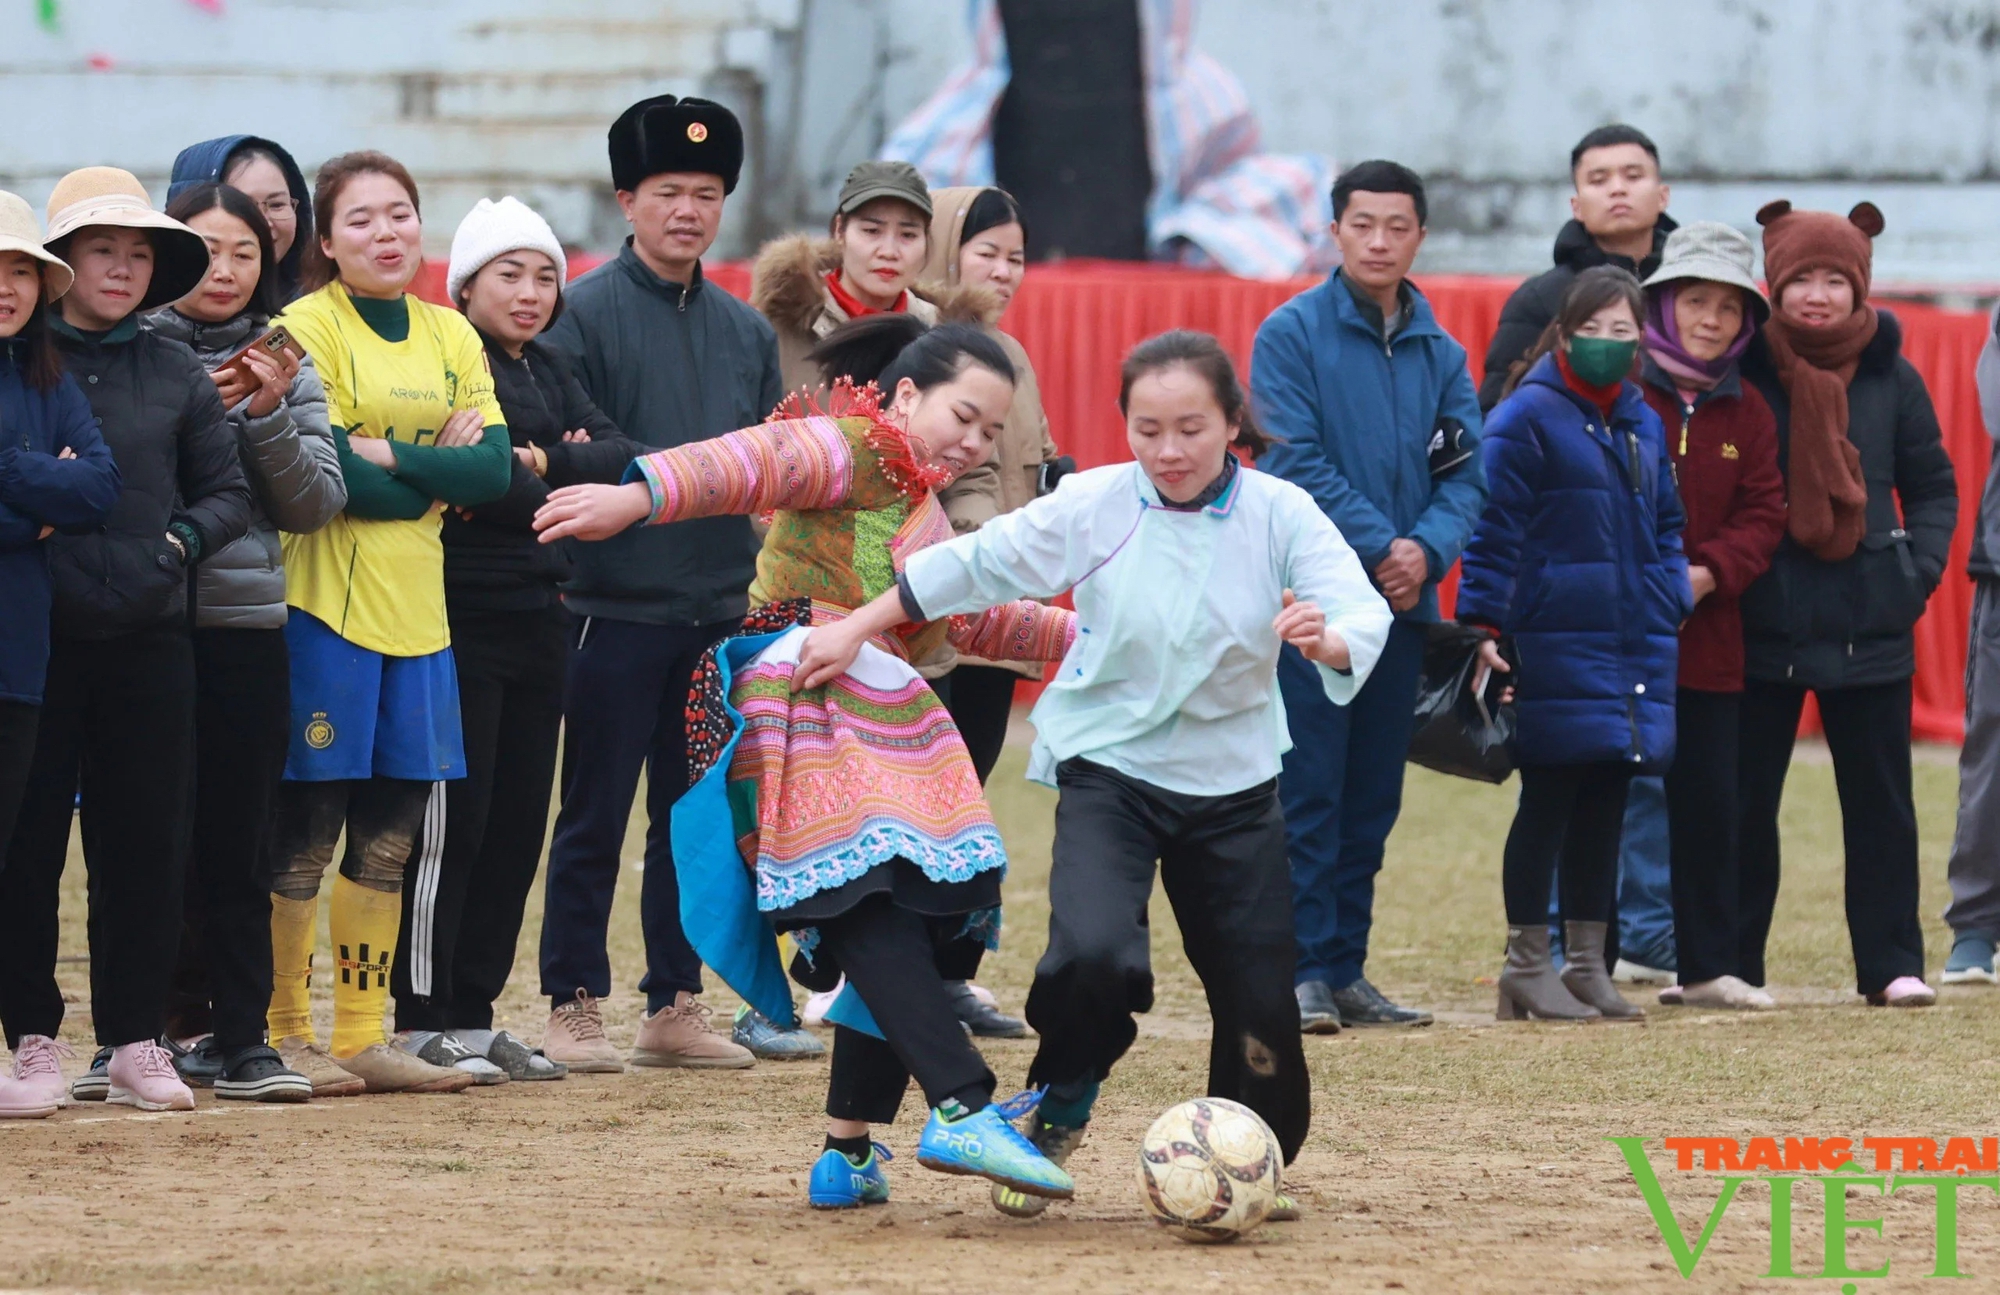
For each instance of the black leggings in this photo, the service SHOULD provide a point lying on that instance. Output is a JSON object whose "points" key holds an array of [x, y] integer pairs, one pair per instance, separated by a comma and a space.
{"points": [[1574, 813], [890, 956], [382, 817], [980, 700]]}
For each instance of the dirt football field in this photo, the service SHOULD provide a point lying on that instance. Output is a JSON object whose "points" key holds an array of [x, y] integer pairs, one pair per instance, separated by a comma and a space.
{"points": [[1467, 1157]]}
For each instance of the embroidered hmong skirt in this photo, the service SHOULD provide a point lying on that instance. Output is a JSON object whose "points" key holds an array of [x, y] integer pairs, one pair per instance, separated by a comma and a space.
{"points": [[837, 793]]}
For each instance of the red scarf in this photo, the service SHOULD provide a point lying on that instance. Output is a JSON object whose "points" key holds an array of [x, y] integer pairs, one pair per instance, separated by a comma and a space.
{"points": [[1603, 397], [1828, 498], [854, 307]]}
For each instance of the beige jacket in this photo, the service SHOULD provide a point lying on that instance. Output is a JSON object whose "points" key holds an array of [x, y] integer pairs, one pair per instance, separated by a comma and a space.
{"points": [[1025, 444]]}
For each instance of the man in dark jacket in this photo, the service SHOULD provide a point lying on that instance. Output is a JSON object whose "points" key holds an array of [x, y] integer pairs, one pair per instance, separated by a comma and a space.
{"points": [[1974, 871], [1374, 416], [670, 360], [1619, 217]]}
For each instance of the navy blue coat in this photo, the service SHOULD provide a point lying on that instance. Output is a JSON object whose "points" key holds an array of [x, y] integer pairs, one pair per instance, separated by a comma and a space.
{"points": [[38, 489], [1578, 559], [1354, 416]]}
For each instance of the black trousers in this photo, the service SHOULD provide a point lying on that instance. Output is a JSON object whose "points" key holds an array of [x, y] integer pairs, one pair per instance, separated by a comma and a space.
{"points": [[118, 720], [1223, 862], [242, 719], [1703, 853], [1868, 735], [890, 955], [980, 701], [469, 874], [1572, 814], [625, 708], [18, 722]]}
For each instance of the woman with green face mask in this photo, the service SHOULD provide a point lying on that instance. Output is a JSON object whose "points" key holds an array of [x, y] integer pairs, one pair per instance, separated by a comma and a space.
{"points": [[1576, 571]]}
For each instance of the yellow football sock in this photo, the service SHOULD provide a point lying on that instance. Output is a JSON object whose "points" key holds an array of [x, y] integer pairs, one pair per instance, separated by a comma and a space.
{"points": [[365, 926], [290, 1014]]}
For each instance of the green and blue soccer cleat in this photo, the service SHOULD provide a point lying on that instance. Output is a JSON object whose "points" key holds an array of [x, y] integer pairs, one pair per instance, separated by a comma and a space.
{"points": [[838, 1183], [986, 1145]]}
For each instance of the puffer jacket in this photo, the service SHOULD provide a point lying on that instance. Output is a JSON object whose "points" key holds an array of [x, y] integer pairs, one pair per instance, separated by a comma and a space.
{"points": [[1577, 559], [1852, 623], [293, 468], [39, 488], [158, 411], [493, 560]]}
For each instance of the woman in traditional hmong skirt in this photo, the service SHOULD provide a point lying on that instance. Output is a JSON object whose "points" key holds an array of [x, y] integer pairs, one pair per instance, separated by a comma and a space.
{"points": [[854, 804]]}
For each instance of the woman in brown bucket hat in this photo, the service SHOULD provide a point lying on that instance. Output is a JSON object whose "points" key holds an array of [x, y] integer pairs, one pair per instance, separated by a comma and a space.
{"points": [[119, 706]]}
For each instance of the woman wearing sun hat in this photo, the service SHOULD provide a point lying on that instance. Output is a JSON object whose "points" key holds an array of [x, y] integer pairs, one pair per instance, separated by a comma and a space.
{"points": [[1702, 309], [119, 708], [55, 472]]}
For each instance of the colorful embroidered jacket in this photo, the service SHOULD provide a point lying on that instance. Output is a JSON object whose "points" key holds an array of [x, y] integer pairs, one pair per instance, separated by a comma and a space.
{"points": [[851, 505]]}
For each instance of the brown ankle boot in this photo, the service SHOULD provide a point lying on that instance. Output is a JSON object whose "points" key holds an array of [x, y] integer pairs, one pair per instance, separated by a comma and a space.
{"points": [[1529, 986], [1583, 972]]}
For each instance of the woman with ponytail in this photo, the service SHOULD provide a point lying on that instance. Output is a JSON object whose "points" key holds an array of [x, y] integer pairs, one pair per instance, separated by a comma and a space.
{"points": [[844, 809]]}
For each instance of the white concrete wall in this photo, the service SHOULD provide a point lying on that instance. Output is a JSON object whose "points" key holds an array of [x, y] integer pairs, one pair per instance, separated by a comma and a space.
{"points": [[1822, 101]]}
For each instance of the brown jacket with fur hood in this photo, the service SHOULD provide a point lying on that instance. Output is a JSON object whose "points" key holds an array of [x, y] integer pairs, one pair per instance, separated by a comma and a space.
{"points": [[788, 287]]}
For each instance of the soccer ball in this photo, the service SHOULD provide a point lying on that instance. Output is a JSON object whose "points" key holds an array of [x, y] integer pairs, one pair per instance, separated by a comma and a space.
{"points": [[1209, 1170]]}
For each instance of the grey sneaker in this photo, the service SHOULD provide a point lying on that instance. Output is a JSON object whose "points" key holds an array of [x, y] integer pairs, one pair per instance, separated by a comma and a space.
{"points": [[1971, 960], [95, 1083], [519, 1060], [442, 1049], [1056, 1144], [766, 1042]]}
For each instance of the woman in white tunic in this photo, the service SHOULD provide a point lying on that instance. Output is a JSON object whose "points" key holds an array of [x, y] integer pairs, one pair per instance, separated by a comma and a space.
{"points": [[1163, 728]]}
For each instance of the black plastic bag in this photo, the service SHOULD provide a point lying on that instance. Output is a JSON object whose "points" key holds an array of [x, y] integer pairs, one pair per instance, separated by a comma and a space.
{"points": [[1458, 732]]}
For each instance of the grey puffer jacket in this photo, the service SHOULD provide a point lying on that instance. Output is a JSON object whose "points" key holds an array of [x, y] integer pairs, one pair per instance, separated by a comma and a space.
{"points": [[294, 472]]}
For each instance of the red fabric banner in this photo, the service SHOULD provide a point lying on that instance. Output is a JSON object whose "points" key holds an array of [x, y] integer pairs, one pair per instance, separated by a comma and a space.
{"points": [[1077, 320]]}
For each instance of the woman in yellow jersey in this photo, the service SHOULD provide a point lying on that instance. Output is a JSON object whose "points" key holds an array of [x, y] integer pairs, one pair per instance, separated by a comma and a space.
{"points": [[375, 724]]}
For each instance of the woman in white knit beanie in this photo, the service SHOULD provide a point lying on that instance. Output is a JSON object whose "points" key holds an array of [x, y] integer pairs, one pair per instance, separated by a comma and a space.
{"points": [[467, 879]]}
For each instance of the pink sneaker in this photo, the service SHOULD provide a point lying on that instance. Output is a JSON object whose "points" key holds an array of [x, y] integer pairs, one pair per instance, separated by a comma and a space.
{"points": [[20, 1100], [142, 1074], [38, 1065], [1904, 991]]}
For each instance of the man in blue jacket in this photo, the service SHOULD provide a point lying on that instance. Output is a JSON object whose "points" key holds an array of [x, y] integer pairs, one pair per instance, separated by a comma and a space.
{"points": [[1376, 417]]}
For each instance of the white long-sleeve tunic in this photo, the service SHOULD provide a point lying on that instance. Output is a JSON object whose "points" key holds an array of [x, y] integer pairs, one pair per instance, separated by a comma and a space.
{"points": [[1172, 678]]}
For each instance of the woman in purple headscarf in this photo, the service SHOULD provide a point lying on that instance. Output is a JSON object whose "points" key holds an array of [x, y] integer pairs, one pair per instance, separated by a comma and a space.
{"points": [[1702, 309]]}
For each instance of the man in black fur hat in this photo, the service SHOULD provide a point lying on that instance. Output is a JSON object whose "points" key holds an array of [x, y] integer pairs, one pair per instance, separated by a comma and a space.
{"points": [[671, 360]]}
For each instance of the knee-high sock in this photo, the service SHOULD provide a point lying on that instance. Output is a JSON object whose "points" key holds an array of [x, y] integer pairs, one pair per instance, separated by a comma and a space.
{"points": [[290, 1014], [365, 926]]}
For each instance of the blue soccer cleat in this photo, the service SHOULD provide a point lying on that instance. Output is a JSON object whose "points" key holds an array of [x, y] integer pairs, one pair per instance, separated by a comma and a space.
{"points": [[839, 1184], [985, 1145]]}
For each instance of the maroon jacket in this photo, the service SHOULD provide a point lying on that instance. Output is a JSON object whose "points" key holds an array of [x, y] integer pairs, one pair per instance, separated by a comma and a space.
{"points": [[1725, 452]]}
